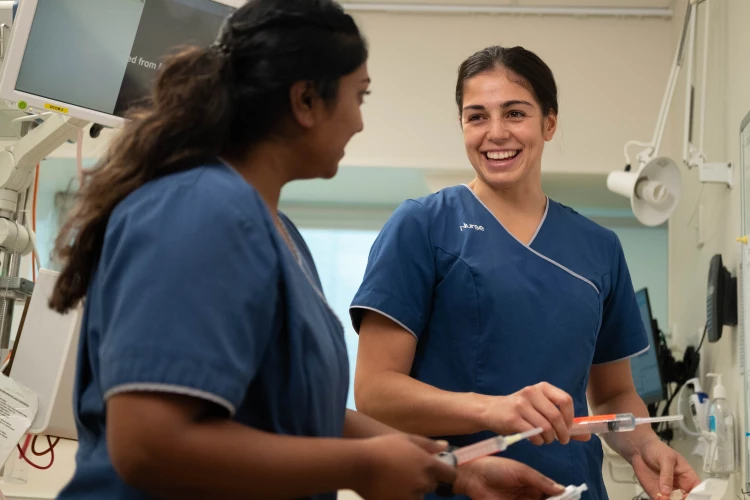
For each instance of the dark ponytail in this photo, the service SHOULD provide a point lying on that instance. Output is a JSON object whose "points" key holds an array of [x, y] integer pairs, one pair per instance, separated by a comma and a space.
{"points": [[206, 103]]}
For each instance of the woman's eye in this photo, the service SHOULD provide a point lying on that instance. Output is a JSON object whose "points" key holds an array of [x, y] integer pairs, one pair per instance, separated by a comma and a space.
{"points": [[516, 114]]}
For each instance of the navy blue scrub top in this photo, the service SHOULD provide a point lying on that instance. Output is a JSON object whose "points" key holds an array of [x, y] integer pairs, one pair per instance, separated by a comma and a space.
{"points": [[492, 315], [196, 293]]}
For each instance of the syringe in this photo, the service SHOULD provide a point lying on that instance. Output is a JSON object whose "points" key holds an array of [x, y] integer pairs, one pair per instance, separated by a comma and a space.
{"points": [[571, 493], [460, 456], [623, 422]]}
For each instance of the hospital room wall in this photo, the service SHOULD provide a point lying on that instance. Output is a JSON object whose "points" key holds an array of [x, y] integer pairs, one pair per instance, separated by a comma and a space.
{"points": [[411, 118], [728, 100]]}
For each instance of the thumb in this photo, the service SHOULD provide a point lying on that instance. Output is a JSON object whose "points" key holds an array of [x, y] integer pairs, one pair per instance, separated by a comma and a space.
{"points": [[427, 444], [666, 474]]}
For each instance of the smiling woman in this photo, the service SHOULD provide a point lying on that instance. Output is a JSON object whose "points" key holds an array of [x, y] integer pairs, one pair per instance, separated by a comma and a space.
{"points": [[467, 333]]}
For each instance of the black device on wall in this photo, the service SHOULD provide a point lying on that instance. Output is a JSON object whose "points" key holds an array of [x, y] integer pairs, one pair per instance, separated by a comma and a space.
{"points": [[721, 299]]}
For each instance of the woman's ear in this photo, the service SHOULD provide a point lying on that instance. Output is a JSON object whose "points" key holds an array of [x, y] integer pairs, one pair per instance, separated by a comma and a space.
{"points": [[550, 126], [303, 100]]}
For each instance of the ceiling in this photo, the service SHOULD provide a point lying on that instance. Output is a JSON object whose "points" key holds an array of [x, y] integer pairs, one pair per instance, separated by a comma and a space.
{"points": [[655, 4]]}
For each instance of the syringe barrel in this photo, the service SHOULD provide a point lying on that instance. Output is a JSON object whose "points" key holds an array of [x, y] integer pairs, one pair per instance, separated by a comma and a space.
{"points": [[602, 424], [481, 449]]}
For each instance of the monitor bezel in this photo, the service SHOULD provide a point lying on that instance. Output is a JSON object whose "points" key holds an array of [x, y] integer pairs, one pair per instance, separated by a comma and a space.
{"points": [[38, 104], [656, 341]]}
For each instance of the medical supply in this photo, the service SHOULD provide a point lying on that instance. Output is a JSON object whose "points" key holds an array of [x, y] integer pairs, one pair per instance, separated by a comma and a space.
{"points": [[677, 495], [484, 448], [722, 457], [712, 488], [623, 422], [698, 405], [571, 493]]}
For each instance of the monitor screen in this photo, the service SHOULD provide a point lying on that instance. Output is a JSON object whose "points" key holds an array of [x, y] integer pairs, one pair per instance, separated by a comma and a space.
{"points": [[645, 366], [103, 55]]}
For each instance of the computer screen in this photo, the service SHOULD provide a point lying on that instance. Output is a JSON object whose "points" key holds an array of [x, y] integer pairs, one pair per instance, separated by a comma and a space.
{"points": [[95, 58], [645, 367]]}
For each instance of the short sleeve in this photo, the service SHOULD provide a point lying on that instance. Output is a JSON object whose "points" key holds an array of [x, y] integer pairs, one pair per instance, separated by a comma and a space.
{"points": [[188, 290], [622, 333], [400, 274]]}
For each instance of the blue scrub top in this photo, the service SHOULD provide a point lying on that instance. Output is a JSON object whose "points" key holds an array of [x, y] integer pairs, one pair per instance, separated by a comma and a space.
{"points": [[492, 315], [196, 293]]}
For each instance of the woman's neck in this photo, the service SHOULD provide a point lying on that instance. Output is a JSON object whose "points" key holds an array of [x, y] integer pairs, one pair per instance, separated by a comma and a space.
{"points": [[266, 168], [525, 198]]}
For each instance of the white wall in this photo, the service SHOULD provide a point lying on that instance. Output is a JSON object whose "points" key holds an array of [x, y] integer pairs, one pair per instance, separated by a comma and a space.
{"points": [[610, 73], [728, 101]]}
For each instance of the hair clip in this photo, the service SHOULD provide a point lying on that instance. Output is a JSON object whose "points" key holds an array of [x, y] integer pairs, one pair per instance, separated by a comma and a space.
{"points": [[221, 48]]}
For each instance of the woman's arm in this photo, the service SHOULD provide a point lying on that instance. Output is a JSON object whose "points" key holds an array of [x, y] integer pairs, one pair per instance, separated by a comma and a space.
{"points": [[384, 390], [611, 390], [171, 446], [659, 468], [359, 425], [489, 477]]}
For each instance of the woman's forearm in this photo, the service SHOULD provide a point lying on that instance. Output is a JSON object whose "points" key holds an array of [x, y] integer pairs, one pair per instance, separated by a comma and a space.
{"points": [[412, 406], [626, 444], [359, 425], [223, 459]]}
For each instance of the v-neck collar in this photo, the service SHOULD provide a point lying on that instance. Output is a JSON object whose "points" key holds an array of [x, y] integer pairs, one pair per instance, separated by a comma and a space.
{"points": [[538, 228]]}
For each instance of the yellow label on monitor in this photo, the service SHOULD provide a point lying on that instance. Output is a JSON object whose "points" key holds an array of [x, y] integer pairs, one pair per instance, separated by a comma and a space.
{"points": [[53, 107]]}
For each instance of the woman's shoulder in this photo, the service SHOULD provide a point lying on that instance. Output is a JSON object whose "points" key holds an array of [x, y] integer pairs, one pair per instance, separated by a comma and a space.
{"points": [[580, 225], [203, 194]]}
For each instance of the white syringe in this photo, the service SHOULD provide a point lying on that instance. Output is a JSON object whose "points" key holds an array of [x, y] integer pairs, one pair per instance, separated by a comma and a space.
{"points": [[623, 422], [571, 493], [460, 456]]}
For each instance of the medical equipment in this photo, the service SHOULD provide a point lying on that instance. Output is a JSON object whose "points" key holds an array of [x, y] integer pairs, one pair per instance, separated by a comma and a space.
{"points": [[571, 493], [721, 299], [71, 63], [646, 367], [653, 186], [698, 405], [45, 358], [92, 59], [744, 290], [623, 422], [485, 448]]}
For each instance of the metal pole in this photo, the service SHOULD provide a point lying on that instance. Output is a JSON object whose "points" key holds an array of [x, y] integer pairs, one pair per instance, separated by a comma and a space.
{"points": [[10, 270], [6, 304]]}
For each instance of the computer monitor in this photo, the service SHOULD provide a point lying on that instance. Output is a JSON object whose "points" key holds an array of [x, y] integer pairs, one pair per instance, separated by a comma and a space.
{"points": [[647, 376], [92, 59]]}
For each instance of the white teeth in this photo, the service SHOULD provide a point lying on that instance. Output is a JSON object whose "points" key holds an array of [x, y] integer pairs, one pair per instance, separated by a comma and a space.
{"points": [[501, 155]]}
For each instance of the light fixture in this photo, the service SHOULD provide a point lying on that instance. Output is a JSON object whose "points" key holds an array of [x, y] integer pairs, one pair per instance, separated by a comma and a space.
{"points": [[654, 190], [654, 185]]}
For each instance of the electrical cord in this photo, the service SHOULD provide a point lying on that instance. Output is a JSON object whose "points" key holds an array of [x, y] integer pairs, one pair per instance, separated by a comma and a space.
{"points": [[705, 331]]}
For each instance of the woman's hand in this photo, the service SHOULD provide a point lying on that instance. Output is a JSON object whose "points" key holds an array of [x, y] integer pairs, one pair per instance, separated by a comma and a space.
{"points": [[662, 470], [541, 405], [402, 467], [503, 479]]}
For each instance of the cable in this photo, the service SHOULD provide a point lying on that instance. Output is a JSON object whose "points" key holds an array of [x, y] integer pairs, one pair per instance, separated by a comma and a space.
{"points": [[50, 450], [705, 330]]}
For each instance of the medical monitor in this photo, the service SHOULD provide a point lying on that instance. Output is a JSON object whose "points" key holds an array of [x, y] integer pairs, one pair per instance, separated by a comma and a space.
{"points": [[647, 376], [92, 59]]}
